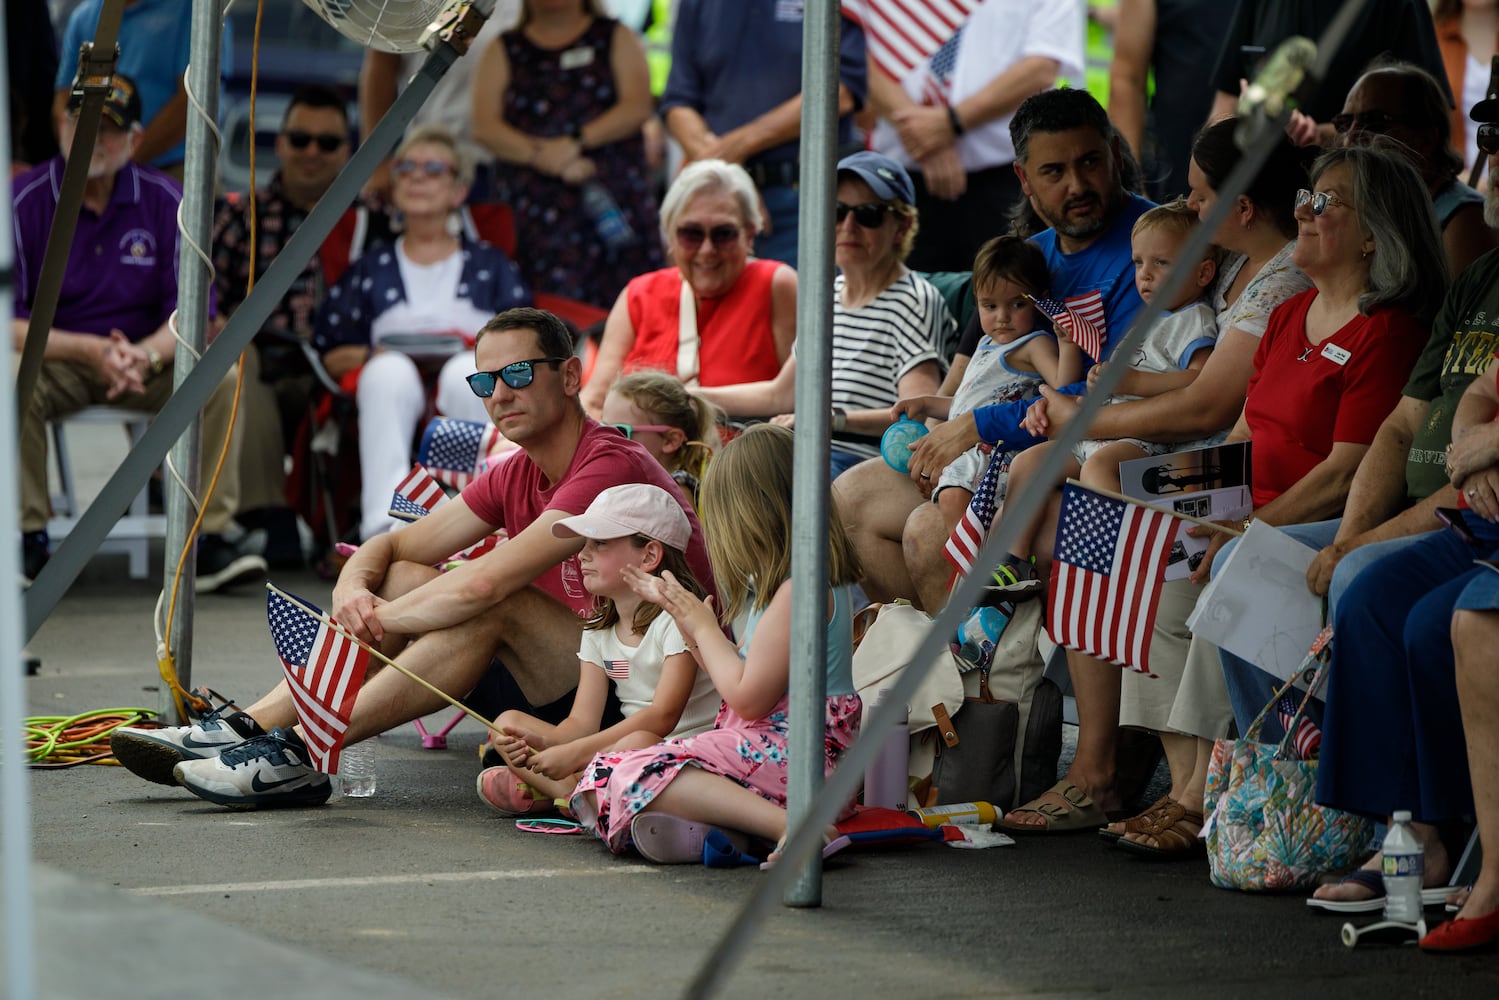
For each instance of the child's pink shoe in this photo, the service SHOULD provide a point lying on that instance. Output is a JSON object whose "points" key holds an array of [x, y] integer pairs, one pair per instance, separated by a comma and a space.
{"points": [[508, 795]]}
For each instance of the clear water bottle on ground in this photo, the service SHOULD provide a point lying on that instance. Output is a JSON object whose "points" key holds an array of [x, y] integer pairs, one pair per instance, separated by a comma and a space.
{"points": [[356, 770], [1404, 868], [886, 783], [613, 228]]}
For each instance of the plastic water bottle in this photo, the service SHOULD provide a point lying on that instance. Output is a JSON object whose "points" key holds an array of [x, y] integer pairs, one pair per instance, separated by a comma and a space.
{"points": [[1404, 866], [356, 770], [886, 783], [895, 444], [978, 636], [607, 218]]}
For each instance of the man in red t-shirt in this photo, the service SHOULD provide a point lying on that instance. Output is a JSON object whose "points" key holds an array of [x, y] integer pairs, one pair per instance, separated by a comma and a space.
{"points": [[521, 602]]}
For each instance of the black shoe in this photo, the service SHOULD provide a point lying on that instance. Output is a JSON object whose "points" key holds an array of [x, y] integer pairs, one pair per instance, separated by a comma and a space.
{"points": [[283, 540], [35, 551], [222, 565]]}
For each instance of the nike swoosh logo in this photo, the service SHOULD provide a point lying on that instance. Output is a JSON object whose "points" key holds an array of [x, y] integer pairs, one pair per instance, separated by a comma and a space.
{"points": [[188, 741], [266, 786]]}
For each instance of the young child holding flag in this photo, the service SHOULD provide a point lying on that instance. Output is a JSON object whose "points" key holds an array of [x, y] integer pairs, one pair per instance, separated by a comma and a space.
{"points": [[1170, 357], [667, 798], [1015, 355], [627, 644]]}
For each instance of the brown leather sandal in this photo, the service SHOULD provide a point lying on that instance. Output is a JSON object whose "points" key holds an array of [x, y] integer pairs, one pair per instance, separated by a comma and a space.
{"points": [[1143, 822], [1176, 836]]}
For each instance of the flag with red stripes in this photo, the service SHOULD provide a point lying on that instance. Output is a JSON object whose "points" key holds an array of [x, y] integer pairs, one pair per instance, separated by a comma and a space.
{"points": [[417, 495], [901, 35], [1307, 738], [1110, 558], [962, 547], [324, 669], [1081, 318]]}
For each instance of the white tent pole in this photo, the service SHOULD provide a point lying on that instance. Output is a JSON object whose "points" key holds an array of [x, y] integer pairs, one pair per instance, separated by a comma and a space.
{"points": [[15, 802]]}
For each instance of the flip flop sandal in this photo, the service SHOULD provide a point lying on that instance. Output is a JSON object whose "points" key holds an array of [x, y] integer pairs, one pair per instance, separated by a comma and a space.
{"points": [[1144, 822], [1174, 840], [1372, 881], [673, 840], [1084, 814]]}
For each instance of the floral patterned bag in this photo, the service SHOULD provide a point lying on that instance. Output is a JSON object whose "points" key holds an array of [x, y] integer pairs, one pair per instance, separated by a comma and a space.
{"points": [[1265, 831]]}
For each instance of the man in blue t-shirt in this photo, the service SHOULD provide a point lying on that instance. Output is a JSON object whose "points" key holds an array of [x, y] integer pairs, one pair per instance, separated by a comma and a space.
{"points": [[1068, 160]]}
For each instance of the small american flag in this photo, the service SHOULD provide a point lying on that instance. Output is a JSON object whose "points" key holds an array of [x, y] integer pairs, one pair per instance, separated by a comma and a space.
{"points": [[1081, 318], [936, 83], [618, 670], [452, 450], [1308, 738], [902, 34], [324, 669], [1106, 576], [417, 495], [967, 537]]}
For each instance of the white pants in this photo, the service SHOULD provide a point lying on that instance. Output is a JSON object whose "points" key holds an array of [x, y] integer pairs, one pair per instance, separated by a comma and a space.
{"points": [[392, 400]]}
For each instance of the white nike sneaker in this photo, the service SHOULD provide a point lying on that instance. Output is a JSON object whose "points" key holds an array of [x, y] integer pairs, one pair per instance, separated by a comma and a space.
{"points": [[152, 753], [264, 772]]}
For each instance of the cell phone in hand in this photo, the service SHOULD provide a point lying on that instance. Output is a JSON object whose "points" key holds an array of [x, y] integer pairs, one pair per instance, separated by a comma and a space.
{"points": [[1453, 518]]}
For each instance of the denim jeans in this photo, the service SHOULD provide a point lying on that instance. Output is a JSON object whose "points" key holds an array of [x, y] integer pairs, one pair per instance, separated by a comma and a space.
{"points": [[781, 243]]}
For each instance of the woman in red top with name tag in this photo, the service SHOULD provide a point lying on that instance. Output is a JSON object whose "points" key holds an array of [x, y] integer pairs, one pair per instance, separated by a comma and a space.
{"points": [[1328, 370]]}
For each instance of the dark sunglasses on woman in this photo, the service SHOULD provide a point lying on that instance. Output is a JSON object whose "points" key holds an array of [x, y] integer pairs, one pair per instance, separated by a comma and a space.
{"points": [[691, 237], [1319, 201], [517, 375], [326, 141], [870, 215], [431, 168]]}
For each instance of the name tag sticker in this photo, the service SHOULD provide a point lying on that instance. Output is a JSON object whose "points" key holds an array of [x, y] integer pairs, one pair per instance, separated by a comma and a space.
{"points": [[576, 58], [1335, 354]]}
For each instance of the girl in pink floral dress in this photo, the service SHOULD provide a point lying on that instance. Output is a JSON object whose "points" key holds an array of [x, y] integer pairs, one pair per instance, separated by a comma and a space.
{"points": [[734, 775]]}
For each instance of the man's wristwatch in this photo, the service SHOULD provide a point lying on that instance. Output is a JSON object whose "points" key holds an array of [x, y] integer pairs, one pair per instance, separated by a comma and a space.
{"points": [[840, 419], [154, 359]]}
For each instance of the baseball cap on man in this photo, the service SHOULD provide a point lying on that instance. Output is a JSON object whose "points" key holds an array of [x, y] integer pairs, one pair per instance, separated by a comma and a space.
{"points": [[634, 508], [122, 104], [886, 178]]}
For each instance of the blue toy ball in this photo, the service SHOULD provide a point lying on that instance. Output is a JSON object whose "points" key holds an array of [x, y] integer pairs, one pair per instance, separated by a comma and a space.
{"points": [[895, 445]]}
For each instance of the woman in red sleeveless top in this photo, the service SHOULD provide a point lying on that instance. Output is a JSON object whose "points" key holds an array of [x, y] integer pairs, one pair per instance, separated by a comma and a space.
{"points": [[719, 316]]}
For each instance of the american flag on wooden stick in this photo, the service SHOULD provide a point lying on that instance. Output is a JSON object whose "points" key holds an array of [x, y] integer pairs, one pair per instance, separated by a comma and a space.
{"points": [[324, 668], [1081, 318], [453, 450], [1109, 562], [417, 495], [968, 536]]}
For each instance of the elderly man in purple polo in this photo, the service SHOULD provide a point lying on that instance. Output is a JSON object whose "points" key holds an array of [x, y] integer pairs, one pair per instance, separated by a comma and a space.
{"points": [[110, 343]]}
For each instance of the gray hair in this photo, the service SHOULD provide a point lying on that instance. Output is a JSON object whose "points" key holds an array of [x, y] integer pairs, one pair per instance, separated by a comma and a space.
{"points": [[1409, 265], [711, 175], [439, 135]]}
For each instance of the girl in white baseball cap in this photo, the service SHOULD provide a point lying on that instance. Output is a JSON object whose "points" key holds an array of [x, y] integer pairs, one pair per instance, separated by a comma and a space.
{"points": [[628, 643]]}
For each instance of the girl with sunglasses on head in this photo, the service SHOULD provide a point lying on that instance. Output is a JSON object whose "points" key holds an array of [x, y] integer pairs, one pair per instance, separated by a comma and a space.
{"points": [[406, 312], [892, 333], [678, 428], [716, 317]]}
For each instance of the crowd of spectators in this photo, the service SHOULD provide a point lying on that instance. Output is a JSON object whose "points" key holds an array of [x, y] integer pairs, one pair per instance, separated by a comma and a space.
{"points": [[1343, 324]]}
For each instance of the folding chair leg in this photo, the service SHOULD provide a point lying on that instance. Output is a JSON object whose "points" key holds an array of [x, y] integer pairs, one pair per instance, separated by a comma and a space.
{"points": [[439, 739]]}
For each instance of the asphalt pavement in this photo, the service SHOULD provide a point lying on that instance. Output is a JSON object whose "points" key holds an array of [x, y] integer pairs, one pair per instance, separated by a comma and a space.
{"points": [[144, 890]]}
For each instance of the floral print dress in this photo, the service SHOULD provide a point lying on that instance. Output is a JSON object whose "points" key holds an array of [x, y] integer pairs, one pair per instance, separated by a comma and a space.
{"points": [[752, 752]]}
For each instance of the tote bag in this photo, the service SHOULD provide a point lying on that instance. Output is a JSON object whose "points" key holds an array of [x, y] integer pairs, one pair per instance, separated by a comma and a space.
{"points": [[1265, 831]]}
